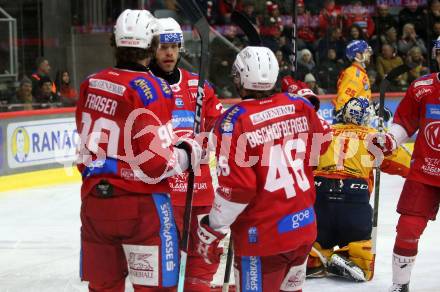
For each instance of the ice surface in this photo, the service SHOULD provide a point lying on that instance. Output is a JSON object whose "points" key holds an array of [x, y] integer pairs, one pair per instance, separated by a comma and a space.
{"points": [[39, 244]]}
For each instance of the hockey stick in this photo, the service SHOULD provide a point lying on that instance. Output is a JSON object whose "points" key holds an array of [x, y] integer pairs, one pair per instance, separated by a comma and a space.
{"points": [[243, 22], [292, 56], [228, 268], [199, 21], [383, 88]]}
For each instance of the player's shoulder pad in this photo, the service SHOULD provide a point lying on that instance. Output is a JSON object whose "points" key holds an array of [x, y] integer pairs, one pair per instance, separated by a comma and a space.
{"points": [[150, 88], [423, 86], [229, 118], [299, 99]]}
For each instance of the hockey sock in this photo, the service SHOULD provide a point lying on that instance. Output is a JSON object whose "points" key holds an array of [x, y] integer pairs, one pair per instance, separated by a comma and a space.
{"points": [[409, 229], [402, 267]]}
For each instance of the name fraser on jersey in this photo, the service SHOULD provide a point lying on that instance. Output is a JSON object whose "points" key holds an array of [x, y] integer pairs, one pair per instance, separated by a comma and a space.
{"points": [[277, 130]]}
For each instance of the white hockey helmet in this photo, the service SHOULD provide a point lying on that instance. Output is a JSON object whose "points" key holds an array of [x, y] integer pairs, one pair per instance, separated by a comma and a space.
{"points": [[135, 29], [169, 31], [255, 68]]}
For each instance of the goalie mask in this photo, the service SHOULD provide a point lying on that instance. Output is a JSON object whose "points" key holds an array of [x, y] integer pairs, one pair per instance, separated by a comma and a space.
{"points": [[357, 111], [255, 68]]}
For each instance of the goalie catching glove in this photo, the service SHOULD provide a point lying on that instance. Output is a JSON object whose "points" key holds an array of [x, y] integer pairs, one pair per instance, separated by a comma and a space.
{"points": [[208, 240]]}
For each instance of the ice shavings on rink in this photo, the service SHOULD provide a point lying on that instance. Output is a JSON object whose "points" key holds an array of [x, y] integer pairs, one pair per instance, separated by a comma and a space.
{"points": [[39, 244]]}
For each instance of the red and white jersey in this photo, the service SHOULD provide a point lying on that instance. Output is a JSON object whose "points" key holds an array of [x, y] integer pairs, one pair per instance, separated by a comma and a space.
{"points": [[123, 117], [420, 110], [183, 113], [266, 188]]}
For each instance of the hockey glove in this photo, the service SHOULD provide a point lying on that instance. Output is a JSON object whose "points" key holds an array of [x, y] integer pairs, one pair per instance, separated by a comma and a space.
{"points": [[385, 142], [193, 151], [207, 241], [387, 113]]}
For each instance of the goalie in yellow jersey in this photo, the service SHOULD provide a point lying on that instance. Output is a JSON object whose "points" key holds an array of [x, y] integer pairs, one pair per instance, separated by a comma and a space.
{"points": [[343, 181]]}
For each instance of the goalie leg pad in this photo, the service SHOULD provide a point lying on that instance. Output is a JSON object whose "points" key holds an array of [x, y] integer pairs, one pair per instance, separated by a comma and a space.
{"points": [[360, 253], [314, 260]]}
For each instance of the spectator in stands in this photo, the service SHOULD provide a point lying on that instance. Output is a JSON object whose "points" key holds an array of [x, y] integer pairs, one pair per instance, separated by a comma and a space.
{"points": [[413, 13], [271, 27], [356, 33], [383, 19], [415, 57], [222, 58], [433, 22], [359, 15], [386, 61], [330, 17], [434, 12], [332, 40], [68, 94], [310, 80], [282, 64], [389, 38], [409, 40], [305, 63], [328, 71], [372, 76], [307, 24], [43, 70], [24, 93], [249, 11], [44, 91]]}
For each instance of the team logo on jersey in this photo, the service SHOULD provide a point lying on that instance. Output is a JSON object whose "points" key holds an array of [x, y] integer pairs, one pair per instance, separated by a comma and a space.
{"points": [[229, 119], [253, 235], [145, 89], [422, 92], [143, 264], [296, 220], [182, 119], [432, 135], [433, 111], [20, 144], [193, 82], [175, 87], [107, 86], [423, 82], [179, 102], [272, 113]]}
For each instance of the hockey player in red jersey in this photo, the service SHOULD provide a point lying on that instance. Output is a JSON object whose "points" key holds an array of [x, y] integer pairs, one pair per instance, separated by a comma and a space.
{"points": [[419, 201], [184, 86], [266, 191], [126, 153]]}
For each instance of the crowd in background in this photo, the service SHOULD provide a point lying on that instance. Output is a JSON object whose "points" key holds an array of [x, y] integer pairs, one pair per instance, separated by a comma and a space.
{"points": [[396, 33]]}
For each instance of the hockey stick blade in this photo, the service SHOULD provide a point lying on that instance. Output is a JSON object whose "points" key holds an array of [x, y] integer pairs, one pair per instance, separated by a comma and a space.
{"points": [[247, 27], [195, 15]]}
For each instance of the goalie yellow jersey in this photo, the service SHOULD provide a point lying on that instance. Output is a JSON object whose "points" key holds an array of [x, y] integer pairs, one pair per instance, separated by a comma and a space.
{"points": [[348, 157], [352, 82]]}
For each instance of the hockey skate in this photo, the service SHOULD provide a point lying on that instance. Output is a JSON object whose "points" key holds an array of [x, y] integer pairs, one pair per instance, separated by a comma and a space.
{"points": [[399, 288], [318, 272], [341, 266]]}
